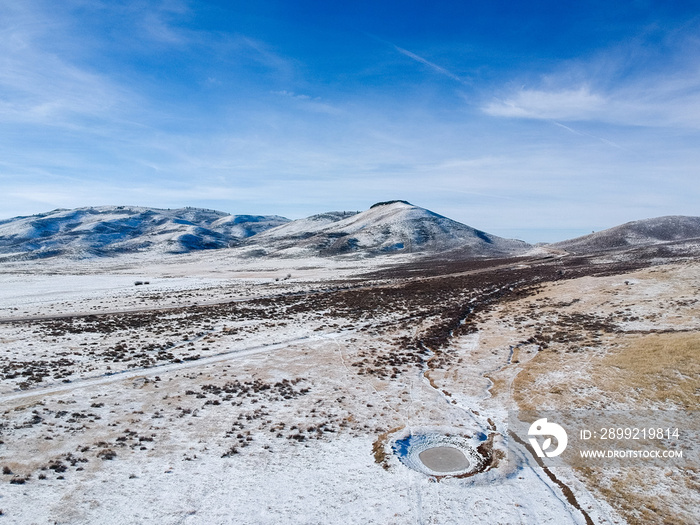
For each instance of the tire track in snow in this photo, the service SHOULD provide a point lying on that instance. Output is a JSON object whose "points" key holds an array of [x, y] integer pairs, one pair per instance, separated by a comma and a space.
{"points": [[152, 370]]}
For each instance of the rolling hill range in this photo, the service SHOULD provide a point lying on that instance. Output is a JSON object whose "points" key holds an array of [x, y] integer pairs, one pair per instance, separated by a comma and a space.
{"points": [[647, 232], [110, 230], [387, 227]]}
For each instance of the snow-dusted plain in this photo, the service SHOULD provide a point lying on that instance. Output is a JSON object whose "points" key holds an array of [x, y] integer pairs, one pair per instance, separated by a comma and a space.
{"points": [[240, 390]]}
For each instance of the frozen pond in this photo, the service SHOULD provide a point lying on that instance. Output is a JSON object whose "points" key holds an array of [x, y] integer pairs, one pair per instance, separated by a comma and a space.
{"points": [[444, 459]]}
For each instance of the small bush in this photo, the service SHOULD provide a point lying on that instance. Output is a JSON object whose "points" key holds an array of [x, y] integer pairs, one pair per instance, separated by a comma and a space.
{"points": [[18, 480], [231, 452], [107, 454]]}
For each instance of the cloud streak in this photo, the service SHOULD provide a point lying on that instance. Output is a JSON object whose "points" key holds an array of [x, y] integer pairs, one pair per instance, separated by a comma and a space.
{"points": [[614, 89], [660, 105], [566, 104], [40, 87], [430, 64]]}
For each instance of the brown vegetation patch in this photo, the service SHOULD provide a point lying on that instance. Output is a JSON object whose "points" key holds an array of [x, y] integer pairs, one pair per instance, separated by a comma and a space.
{"points": [[641, 495], [590, 361], [653, 370], [378, 448]]}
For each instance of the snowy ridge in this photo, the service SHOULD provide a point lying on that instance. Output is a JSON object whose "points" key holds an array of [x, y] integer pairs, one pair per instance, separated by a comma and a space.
{"points": [[645, 232], [388, 227], [385, 228], [110, 230], [302, 228]]}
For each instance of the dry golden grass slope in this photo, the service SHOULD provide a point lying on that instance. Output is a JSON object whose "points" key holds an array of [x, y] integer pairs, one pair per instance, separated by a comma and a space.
{"points": [[628, 342]]}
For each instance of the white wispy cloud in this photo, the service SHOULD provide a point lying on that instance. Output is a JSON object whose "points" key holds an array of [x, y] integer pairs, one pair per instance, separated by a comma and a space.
{"points": [[430, 64], [158, 22], [567, 104], [309, 103], [39, 86], [663, 104], [584, 134], [292, 94], [611, 88], [56, 87]]}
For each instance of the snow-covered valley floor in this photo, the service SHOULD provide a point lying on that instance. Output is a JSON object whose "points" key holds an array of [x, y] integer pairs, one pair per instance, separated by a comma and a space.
{"points": [[222, 392]]}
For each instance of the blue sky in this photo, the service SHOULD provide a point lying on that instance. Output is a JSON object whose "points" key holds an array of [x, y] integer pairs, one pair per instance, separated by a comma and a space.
{"points": [[536, 120]]}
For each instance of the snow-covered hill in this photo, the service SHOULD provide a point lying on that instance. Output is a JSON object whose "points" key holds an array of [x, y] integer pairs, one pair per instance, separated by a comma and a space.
{"points": [[108, 230], [387, 227], [647, 232]]}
